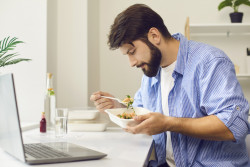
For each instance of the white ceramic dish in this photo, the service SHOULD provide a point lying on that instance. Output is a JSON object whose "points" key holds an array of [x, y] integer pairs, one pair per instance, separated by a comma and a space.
{"points": [[83, 114], [90, 126], [124, 122]]}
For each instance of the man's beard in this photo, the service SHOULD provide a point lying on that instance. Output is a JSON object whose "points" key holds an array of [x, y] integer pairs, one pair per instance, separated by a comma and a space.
{"points": [[154, 62]]}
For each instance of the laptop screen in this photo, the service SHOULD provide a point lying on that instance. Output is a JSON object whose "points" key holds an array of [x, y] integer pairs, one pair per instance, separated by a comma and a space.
{"points": [[10, 132]]}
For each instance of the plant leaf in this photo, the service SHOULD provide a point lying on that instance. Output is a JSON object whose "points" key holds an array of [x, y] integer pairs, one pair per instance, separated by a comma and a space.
{"points": [[8, 57], [241, 2], [225, 4], [14, 61], [6, 45]]}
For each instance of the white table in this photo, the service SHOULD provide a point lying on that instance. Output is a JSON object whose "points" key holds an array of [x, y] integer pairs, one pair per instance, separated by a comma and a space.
{"points": [[123, 149]]}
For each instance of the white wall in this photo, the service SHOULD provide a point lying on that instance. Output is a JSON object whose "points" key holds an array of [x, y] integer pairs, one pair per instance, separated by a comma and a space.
{"points": [[67, 39], [93, 48], [52, 35], [117, 76], [26, 20]]}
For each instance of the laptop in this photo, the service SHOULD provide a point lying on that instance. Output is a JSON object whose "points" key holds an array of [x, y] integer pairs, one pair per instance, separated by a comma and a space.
{"points": [[38, 153]]}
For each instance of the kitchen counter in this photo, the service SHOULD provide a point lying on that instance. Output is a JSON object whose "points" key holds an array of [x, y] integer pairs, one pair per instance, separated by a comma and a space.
{"points": [[123, 149]]}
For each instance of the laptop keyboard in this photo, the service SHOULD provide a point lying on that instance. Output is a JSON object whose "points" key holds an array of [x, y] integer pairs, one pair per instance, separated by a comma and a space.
{"points": [[39, 150]]}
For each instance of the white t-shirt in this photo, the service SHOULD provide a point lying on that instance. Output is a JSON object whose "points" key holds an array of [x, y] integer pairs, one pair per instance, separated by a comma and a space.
{"points": [[167, 83]]}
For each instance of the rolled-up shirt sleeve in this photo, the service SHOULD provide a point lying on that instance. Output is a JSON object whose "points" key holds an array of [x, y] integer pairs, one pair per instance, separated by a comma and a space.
{"points": [[221, 95]]}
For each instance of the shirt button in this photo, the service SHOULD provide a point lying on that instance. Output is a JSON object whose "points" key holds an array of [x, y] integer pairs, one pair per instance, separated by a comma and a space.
{"points": [[237, 108]]}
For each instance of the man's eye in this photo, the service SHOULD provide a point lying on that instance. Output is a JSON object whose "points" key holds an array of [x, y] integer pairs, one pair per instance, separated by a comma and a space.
{"points": [[131, 53]]}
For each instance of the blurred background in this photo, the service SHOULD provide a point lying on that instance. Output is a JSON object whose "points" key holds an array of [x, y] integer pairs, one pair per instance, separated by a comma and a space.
{"points": [[69, 39]]}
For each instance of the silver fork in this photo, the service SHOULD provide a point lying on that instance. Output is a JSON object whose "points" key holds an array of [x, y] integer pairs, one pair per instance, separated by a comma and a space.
{"points": [[119, 100]]}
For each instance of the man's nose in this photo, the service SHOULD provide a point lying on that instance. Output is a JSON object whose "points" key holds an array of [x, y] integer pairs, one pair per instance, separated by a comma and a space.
{"points": [[132, 61]]}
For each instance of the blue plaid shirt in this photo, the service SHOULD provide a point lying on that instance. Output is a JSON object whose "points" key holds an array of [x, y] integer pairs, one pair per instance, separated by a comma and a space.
{"points": [[205, 84]]}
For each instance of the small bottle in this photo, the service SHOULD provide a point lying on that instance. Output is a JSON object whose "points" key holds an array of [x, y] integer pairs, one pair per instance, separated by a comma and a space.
{"points": [[43, 124], [50, 102]]}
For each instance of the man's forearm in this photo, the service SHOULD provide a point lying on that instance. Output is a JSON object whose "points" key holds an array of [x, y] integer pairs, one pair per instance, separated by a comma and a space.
{"points": [[209, 127]]}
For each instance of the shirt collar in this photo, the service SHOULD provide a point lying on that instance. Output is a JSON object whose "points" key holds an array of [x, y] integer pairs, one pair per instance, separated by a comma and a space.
{"points": [[156, 78], [181, 57], [182, 53]]}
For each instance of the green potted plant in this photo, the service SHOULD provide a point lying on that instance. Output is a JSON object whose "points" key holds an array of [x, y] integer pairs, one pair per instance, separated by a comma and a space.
{"points": [[236, 16], [7, 45]]}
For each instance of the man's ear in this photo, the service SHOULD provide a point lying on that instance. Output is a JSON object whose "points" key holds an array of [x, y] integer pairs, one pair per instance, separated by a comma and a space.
{"points": [[154, 36]]}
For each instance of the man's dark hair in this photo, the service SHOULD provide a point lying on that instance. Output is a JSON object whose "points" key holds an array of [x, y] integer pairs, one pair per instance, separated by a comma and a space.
{"points": [[134, 23]]}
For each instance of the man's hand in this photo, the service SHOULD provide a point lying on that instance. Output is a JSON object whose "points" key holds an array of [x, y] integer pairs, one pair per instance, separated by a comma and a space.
{"points": [[104, 103], [150, 124]]}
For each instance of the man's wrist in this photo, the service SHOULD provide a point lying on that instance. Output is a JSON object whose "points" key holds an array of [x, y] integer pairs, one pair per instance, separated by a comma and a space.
{"points": [[167, 123], [171, 123]]}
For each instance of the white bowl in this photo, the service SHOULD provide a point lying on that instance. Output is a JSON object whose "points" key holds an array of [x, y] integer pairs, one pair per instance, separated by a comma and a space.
{"points": [[83, 114], [124, 122]]}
